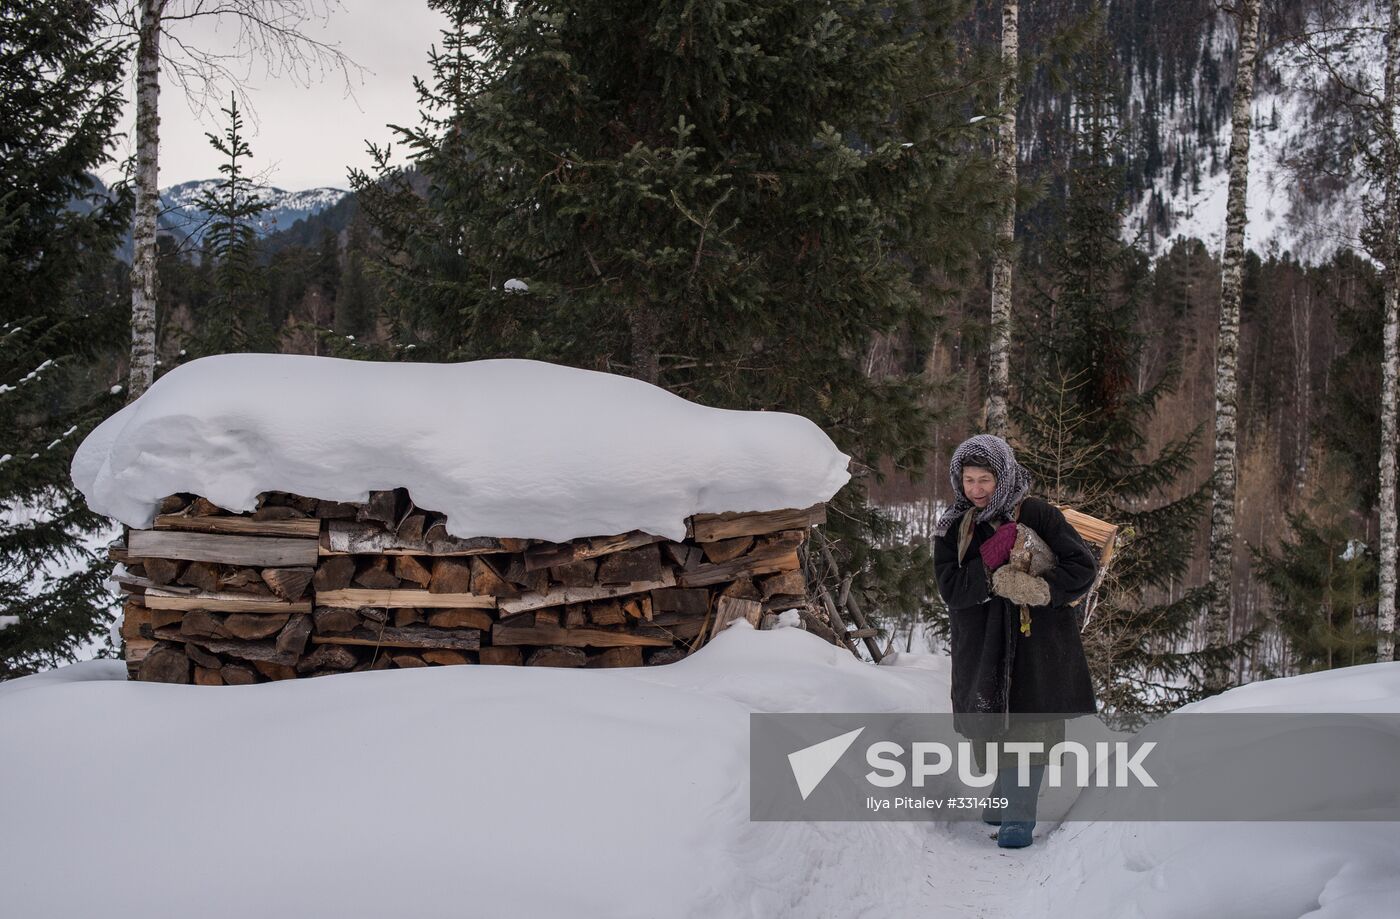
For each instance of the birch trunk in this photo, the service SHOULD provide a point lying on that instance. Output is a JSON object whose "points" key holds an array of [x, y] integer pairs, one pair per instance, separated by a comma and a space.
{"points": [[143, 264], [1222, 514], [999, 352], [1390, 247]]}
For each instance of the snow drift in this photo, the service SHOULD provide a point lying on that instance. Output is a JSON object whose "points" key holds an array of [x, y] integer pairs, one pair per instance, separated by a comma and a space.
{"points": [[505, 448]]}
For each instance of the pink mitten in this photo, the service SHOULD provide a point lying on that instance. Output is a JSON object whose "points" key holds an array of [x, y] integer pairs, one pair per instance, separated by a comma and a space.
{"points": [[996, 551]]}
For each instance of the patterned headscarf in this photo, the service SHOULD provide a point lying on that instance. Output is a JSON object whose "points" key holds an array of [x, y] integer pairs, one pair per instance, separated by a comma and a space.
{"points": [[1013, 481]]}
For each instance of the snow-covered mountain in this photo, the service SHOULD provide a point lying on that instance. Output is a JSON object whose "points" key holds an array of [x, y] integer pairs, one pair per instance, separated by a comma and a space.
{"points": [[182, 215], [1176, 61]]}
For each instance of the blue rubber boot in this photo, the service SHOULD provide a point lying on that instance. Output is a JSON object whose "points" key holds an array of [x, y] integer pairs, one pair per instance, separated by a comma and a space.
{"points": [[1018, 823]]}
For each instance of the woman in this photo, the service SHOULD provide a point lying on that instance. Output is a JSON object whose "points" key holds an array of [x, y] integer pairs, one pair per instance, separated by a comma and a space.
{"points": [[999, 670]]}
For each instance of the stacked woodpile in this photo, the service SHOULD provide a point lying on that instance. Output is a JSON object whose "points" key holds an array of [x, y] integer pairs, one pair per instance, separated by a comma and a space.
{"points": [[302, 587]]}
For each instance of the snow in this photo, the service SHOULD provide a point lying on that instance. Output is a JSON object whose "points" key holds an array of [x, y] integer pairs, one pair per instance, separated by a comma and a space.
{"points": [[505, 448], [7, 621], [516, 285], [505, 791]]}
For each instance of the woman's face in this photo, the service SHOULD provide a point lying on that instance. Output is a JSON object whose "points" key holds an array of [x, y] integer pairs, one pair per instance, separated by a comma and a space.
{"points": [[978, 485]]}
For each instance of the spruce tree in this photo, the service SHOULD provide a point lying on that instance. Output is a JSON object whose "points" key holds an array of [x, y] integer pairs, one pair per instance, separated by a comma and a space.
{"points": [[58, 230], [236, 317], [1082, 421], [732, 200]]}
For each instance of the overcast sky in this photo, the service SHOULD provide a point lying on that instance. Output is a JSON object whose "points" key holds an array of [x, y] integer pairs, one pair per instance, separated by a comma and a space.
{"points": [[306, 135]]}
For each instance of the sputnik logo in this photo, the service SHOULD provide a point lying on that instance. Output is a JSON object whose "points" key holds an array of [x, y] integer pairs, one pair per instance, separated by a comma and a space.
{"points": [[811, 764]]}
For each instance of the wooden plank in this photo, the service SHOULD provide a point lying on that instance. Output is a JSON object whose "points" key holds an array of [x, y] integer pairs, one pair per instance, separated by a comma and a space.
{"points": [[306, 528], [732, 608], [755, 563], [355, 597], [239, 551], [548, 555], [564, 595], [348, 537], [503, 634], [715, 527], [410, 637], [161, 598]]}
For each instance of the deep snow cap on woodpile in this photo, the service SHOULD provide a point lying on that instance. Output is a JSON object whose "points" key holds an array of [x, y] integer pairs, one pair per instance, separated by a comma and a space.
{"points": [[506, 448]]}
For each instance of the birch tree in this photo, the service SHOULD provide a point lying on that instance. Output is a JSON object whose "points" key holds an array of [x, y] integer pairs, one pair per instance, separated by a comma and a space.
{"points": [[999, 354], [1222, 514], [1390, 249], [271, 30]]}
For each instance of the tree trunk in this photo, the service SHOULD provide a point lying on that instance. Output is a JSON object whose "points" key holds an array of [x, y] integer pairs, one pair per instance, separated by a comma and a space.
{"points": [[999, 351], [143, 264], [1390, 247], [1222, 515]]}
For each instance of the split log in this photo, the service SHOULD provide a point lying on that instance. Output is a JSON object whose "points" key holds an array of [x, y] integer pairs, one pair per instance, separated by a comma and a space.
{"points": [[250, 580], [465, 618], [662, 656], [136, 649], [715, 527], [291, 641], [394, 599], [287, 583], [242, 526], [691, 601], [638, 607], [445, 658], [207, 676], [551, 555], [547, 616], [727, 549], [328, 657], [575, 615], [335, 619], [374, 574], [742, 589], [173, 504], [336, 510], [205, 576], [608, 612], [557, 657], [683, 555], [505, 634], [617, 657], [407, 616], [628, 567], [201, 623], [412, 637], [487, 580], [407, 661], [789, 583], [383, 507], [254, 626], [581, 573], [240, 551], [238, 675], [451, 576], [563, 595], [203, 507], [163, 570], [534, 581], [496, 654], [730, 609], [133, 617], [334, 573], [202, 657], [165, 663], [157, 598], [275, 671], [410, 568]]}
